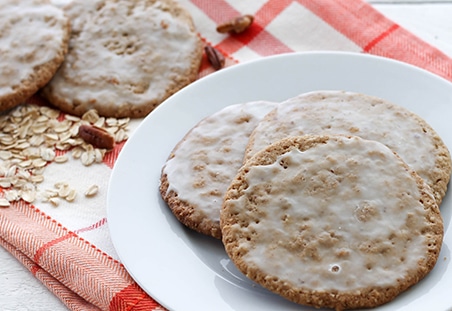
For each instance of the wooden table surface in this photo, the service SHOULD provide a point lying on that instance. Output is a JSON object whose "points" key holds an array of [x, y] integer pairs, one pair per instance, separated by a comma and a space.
{"points": [[429, 20]]}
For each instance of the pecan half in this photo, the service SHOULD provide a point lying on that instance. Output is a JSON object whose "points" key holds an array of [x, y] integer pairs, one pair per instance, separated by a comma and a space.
{"points": [[236, 25], [216, 59], [96, 136]]}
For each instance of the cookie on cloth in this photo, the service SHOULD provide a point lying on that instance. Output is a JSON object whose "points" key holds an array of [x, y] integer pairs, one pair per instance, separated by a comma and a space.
{"points": [[125, 57], [331, 221], [203, 163], [33, 41], [336, 112]]}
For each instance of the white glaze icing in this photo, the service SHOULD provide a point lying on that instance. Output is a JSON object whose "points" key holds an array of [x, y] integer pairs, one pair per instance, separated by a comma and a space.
{"points": [[208, 158], [335, 112], [341, 216], [31, 34], [138, 50]]}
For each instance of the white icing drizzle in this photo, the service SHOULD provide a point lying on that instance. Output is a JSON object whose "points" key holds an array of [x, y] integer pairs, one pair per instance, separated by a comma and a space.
{"points": [[341, 216], [208, 158], [31, 35]]}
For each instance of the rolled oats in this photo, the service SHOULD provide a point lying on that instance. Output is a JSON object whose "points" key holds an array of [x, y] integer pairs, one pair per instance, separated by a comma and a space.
{"points": [[32, 136], [77, 152], [100, 122], [61, 159], [28, 195], [11, 195], [63, 191], [91, 116], [87, 158], [111, 121], [121, 135], [47, 154], [71, 195], [98, 155], [5, 182], [55, 201], [36, 178], [4, 202], [49, 112], [72, 118], [39, 162], [26, 163], [5, 154], [92, 191]]}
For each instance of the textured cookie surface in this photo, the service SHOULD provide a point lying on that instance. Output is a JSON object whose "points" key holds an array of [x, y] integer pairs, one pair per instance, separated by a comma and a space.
{"points": [[202, 165], [331, 221], [335, 112], [125, 57], [33, 41]]}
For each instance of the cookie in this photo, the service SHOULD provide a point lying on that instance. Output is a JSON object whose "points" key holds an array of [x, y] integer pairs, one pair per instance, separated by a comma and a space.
{"points": [[202, 165], [33, 42], [331, 221], [125, 57], [335, 112]]}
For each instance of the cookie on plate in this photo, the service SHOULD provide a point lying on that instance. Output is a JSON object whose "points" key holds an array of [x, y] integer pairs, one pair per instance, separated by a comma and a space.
{"points": [[331, 221], [203, 163], [336, 112], [125, 57], [33, 41]]}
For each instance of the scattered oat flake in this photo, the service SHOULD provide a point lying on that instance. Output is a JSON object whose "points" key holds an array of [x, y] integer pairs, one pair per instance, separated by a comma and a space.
{"points": [[30, 139], [88, 158], [50, 193], [64, 191], [77, 152], [98, 155], [4, 202], [99, 122], [54, 201], [25, 163], [39, 162], [12, 195], [72, 118], [111, 121], [61, 184], [51, 113], [28, 196], [5, 155], [36, 178], [47, 154], [5, 182], [120, 135], [61, 159], [71, 196], [92, 191], [91, 116]]}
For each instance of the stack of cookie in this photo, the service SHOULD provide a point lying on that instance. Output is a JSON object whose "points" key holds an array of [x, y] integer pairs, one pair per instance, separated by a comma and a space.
{"points": [[121, 58], [330, 199]]}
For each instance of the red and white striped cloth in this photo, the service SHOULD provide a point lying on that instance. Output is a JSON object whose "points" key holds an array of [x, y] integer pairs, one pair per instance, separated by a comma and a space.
{"points": [[68, 248]]}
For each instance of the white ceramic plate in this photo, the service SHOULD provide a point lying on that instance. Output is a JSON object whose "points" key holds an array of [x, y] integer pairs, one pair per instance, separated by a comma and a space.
{"points": [[186, 271]]}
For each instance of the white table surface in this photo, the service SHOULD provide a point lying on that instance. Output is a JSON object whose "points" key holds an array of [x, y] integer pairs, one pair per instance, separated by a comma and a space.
{"points": [[430, 20]]}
